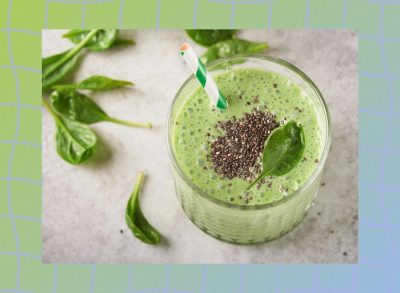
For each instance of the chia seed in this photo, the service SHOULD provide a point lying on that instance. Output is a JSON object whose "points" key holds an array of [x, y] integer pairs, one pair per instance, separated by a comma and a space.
{"points": [[246, 198], [237, 152], [298, 109]]}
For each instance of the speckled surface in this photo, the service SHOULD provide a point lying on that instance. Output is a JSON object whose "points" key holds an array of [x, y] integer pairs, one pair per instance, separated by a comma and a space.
{"points": [[83, 207]]}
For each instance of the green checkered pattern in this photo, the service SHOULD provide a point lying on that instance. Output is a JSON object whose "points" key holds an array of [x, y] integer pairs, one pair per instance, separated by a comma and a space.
{"points": [[21, 21]]}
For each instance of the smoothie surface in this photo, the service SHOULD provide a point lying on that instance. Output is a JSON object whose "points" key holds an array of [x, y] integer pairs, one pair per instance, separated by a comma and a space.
{"points": [[245, 89]]}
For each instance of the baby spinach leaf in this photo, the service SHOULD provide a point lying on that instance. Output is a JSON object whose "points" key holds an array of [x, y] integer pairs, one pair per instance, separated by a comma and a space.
{"points": [[135, 219], [59, 72], [75, 141], [95, 83], [102, 40], [232, 47], [81, 108], [283, 150], [56, 67], [210, 37]]}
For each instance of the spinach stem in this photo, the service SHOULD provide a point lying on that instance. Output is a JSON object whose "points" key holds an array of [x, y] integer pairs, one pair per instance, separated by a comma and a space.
{"points": [[137, 187], [54, 114], [260, 47], [255, 181], [139, 181], [64, 87], [49, 108], [72, 52], [129, 123]]}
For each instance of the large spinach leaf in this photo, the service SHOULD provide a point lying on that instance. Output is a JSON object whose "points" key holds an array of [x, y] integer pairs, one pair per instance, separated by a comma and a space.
{"points": [[81, 108]]}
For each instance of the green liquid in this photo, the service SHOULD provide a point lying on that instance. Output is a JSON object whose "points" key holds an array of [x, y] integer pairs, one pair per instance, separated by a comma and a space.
{"points": [[275, 93]]}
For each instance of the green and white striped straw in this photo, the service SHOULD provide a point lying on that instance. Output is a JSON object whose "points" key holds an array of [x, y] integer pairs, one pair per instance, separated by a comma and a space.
{"points": [[199, 70]]}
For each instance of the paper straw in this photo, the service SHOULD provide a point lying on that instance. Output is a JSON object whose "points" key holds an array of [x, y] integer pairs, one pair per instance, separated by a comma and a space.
{"points": [[199, 70]]}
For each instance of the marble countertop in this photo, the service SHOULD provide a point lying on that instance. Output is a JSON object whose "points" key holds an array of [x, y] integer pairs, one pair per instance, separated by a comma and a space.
{"points": [[84, 206]]}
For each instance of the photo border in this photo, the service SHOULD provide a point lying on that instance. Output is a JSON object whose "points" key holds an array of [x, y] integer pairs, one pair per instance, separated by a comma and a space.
{"points": [[21, 22]]}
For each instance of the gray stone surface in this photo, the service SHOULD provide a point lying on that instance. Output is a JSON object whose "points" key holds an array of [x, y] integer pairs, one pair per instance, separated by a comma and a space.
{"points": [[83, 207]]}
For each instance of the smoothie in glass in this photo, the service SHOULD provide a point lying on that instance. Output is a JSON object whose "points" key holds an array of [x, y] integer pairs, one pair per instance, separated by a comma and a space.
{"points": [[217, 153]]}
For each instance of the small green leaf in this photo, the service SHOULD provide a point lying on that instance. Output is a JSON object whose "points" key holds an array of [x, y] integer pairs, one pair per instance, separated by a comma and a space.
{"points": [[102, 40], [75, 141], [52, 73], [135, 219], [283, 150], [232, 47], [210, 37], [81, 108], [99, 82], [95, 83]]}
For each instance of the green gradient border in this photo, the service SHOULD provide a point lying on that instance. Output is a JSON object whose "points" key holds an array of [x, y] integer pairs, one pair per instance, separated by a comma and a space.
{"points": [[21, 22]]}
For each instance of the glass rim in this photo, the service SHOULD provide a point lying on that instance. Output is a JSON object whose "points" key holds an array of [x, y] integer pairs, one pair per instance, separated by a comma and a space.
{"points": [[290, 196]]}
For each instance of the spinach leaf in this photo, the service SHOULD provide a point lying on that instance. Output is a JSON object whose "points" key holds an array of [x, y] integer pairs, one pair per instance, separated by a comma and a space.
{"points": [[75, 141], [102, 40], [135, 219], [56, 67], [283, 150], [81, 108], [61, 71], [95, 83], [232, 47], [210, 37]]}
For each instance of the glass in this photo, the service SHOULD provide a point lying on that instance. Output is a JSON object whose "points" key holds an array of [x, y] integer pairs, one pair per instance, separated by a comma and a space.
{"points": [[248, 224]]}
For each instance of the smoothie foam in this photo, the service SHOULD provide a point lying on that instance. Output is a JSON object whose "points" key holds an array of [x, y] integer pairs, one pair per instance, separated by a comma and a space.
{"points": [[195, 129]]}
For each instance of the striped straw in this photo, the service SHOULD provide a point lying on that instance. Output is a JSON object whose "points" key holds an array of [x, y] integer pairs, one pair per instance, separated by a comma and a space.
{"points": [[199, 70]]}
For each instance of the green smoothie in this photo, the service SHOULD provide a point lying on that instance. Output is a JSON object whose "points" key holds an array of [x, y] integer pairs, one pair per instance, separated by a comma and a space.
{"points": [[247, 91]]}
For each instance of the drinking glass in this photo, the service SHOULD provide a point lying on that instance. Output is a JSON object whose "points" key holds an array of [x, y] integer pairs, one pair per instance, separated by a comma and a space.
{"points": [[242, 224]]}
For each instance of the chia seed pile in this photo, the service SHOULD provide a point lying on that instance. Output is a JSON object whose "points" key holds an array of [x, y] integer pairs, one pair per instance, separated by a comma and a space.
{"points": [[237, 152]]}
